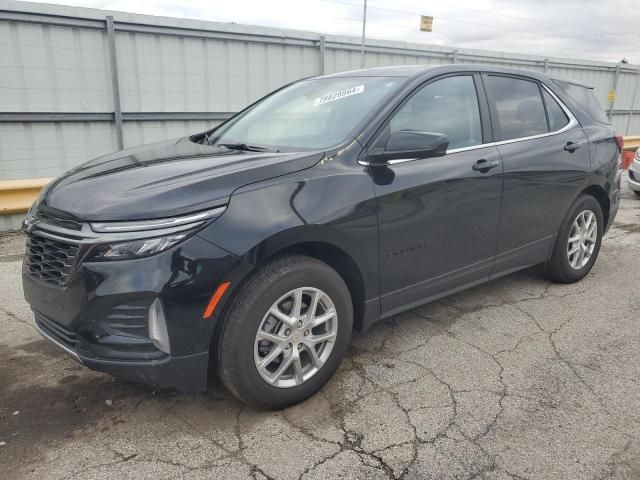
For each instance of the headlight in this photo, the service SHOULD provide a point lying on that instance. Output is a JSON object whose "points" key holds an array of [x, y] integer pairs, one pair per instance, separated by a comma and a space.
{"points": [[134, 248]]}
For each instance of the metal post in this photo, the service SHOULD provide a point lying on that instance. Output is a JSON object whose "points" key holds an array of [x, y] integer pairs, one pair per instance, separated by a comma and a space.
{"points": [[115, 85], [364, 25], [454, 57], [546, 65], [613, 87], [633, 101], [322, 50]]}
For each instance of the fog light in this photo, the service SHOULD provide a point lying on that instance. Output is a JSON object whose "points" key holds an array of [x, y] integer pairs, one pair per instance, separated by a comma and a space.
{"points": [[158, 327]]}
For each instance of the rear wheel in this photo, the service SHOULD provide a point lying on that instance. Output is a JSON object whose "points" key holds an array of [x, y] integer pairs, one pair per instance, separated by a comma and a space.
{"points": [[286, 332], [578, 241], [637, 192]]}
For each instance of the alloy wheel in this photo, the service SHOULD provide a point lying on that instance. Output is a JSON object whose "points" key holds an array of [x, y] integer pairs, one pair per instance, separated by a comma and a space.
{"points": [[582, 239], [296, 337]]}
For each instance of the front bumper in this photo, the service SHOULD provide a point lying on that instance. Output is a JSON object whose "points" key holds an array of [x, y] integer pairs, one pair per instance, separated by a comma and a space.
{"points": [[186, 373], [99, 316]]}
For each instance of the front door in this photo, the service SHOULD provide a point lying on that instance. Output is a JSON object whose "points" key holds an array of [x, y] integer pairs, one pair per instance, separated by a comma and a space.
{"points": [[438, 217]]}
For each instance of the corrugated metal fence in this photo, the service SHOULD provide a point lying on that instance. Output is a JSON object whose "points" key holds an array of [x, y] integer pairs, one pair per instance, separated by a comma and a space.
{"points": [[76, 83]]}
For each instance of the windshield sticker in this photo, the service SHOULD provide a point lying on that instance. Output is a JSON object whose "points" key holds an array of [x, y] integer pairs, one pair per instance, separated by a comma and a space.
{"points": [[330, 97]]}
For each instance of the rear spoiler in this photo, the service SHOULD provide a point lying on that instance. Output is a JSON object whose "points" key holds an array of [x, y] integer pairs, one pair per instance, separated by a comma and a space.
{"points": [[572, 82]]}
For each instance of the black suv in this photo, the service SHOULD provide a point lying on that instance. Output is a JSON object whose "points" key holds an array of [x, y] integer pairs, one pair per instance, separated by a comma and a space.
{"points": [[258, 246]]}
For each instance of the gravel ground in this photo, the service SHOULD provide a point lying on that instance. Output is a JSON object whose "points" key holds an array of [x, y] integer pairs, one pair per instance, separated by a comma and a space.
{"points": [[515, 379]]}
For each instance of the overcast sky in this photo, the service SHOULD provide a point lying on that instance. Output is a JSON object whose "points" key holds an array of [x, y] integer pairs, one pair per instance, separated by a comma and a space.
{"points": [[593, 29]]}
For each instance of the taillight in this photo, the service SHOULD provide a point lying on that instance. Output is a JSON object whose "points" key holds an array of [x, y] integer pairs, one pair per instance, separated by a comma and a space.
{"points": [[619, 141]]}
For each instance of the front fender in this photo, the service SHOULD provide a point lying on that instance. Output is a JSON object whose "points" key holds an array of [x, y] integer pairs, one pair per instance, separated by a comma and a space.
{"points": [[330, 203]]}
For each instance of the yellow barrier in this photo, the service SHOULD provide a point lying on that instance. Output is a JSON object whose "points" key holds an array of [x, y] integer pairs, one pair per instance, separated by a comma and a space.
{"points": [[16, 196], [632, 143]]}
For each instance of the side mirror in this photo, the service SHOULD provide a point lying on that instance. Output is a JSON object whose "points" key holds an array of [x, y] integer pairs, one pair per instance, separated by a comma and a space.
{"points": [[410, 144]]}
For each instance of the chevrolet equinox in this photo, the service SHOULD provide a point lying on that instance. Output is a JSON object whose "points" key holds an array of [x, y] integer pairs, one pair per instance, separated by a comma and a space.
{"points": [[254, 249]]}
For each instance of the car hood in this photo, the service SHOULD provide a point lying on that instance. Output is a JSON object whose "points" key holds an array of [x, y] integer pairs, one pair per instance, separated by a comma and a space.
{"points": [[164, 179]]}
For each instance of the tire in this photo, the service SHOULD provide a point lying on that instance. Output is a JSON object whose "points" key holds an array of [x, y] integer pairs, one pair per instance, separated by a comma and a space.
{"points": [[240, 350], [559, 268], [637, 192]]}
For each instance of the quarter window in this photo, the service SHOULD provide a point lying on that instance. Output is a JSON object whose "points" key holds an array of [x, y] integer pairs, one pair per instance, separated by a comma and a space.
{"points": [[448, 106], [519, 107], [557, 117], [586, 99]]}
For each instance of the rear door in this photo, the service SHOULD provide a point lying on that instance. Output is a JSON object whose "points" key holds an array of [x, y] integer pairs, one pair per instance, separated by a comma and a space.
{"points": [[546, 161]]}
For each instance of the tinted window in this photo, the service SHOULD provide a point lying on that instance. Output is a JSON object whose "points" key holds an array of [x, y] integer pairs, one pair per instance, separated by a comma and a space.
{"points": [[557, 117], [447, 106], [587, 100], [519, 107]]}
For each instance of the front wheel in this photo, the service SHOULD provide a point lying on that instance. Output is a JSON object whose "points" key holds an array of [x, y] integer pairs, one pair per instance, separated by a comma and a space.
{"points": [[286, 332], [578, 242]]}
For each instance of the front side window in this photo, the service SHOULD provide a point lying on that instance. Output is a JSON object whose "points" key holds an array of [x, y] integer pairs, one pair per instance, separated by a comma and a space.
{"points": [[448, 106], [519, 107], [310, 114]]}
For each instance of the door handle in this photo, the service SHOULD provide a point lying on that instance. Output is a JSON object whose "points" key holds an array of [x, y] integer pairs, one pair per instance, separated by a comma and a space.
{"points": [[485, 165], [572, 146]]}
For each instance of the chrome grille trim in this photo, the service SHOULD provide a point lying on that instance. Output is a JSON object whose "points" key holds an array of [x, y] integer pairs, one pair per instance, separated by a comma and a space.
{"points": [[89, 237], [161, 223], [112, 232]]}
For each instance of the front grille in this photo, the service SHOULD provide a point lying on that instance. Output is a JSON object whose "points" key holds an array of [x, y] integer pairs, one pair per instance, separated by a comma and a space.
{"points": [[49, 260], [56, 331]]}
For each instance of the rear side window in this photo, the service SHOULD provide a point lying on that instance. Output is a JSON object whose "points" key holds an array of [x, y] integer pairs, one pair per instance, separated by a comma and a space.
{"points": [[586, 99], [519, 107], [447, 106], [557, 117]]}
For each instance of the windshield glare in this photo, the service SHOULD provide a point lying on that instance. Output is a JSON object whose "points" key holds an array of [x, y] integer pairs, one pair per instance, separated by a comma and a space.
{"points": [[311, 114]]}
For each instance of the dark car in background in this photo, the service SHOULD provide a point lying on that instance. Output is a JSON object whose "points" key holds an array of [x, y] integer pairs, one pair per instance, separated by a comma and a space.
{"points": [[257, 247]]}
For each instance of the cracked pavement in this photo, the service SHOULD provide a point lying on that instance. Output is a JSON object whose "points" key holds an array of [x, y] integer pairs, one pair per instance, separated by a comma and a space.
{"points": [[515, 379]]}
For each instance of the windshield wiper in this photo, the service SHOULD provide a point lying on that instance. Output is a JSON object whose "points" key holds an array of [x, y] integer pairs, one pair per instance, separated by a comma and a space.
{"points": [[244, 147]]}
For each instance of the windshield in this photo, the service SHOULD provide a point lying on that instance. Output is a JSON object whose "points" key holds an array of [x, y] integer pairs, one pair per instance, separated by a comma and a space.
{"points": [[310, 114]]}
